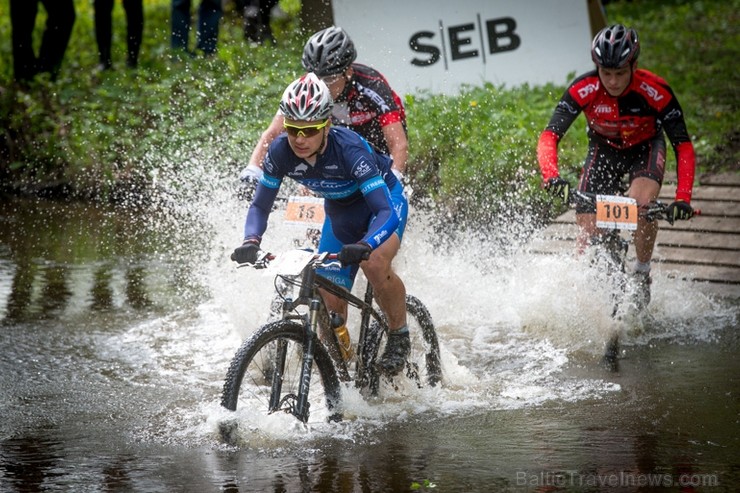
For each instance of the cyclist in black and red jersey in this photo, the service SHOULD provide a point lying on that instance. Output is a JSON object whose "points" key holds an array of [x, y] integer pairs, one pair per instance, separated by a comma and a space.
{"points": [[363, 101], [627, 110]]}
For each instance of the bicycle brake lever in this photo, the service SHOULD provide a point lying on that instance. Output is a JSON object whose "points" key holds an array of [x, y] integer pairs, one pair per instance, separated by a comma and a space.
{"points": [[263, 260]]}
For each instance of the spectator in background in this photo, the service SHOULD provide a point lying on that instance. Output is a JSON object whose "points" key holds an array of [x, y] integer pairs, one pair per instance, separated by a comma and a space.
{"points": [[257, 20], [209, 16], [59, 22], [104, 31]]}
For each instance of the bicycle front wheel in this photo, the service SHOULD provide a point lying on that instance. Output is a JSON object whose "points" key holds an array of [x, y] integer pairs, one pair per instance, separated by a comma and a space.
{"points": [[265, 374]]}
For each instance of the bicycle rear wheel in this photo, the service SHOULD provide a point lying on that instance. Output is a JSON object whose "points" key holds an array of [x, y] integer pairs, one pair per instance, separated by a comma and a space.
{"points": [[265, 374], [423, 366]]}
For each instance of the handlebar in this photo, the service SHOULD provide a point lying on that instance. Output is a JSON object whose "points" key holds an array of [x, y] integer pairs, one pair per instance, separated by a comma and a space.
{"points": [[655, 210], [264, 258]]}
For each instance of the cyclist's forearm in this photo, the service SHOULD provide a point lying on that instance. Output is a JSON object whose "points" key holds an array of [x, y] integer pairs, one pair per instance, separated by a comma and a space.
{"points": [[271, 132], [685, 169], [547, 154], [255, 224], [395, 137], [386, 219]]}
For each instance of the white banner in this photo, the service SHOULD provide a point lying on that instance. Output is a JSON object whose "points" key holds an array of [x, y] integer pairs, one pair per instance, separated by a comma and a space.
{"points": [[441, 45]]}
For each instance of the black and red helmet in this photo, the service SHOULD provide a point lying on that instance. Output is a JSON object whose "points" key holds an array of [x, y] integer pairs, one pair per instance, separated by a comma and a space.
{"points": [[615, 46]]}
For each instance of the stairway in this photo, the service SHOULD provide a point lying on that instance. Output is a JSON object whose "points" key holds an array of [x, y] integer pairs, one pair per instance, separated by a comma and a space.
{"points": [[705, 249]]}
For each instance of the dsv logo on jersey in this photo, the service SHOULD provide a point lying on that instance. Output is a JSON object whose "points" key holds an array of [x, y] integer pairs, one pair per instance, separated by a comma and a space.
{"points": [[463, 41]]}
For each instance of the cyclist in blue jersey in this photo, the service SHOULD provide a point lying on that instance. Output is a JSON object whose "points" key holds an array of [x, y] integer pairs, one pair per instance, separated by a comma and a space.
{"points": [[363, 201]]}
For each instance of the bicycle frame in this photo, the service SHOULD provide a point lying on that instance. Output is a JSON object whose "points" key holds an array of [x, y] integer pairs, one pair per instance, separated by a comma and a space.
{"points": [[302, 333], [616, 247], [316, 321]]}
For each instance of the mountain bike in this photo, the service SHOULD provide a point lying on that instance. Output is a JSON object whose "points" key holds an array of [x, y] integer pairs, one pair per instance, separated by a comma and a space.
{"points": [[295, 364], [615, 214]]}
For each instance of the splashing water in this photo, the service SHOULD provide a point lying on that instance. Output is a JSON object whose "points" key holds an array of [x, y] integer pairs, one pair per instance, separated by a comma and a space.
{"points": [[509, 322]]}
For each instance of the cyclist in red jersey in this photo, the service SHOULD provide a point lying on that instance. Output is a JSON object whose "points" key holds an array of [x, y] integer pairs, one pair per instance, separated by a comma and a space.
{"points": [[363, 101], [627, 110]]}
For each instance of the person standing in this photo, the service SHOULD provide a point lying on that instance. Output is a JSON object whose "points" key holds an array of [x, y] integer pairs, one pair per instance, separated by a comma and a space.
{"points": [[627, 110], [104, 31], [257, 14], [58, 29], [209, 17]]}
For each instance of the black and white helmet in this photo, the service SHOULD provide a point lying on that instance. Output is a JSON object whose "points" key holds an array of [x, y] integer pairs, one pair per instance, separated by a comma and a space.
{"points": [[328, 52], [615, 46], [307, 98]]}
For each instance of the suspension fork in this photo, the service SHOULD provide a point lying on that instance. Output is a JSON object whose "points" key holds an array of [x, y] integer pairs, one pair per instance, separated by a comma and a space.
{"points": [[302, 404], [277, 374], [364, 324]]}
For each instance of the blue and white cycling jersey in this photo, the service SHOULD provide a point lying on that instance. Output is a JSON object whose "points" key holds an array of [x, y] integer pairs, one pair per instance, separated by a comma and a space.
{"points": [[354, 180]]}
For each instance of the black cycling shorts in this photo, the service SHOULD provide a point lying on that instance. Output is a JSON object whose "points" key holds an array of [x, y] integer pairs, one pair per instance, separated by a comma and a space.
{"points": [[606, 167]]}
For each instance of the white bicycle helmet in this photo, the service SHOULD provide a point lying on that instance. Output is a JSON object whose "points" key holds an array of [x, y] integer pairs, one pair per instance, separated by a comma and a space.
{"points": [[307, 98]]}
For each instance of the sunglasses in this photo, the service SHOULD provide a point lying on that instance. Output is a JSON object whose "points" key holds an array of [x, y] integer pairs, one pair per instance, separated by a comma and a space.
{"points": [[331, 79], [306, 131]]}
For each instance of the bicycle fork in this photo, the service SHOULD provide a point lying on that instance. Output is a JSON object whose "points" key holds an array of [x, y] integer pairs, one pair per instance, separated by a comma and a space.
{"points": [[301, 410]]}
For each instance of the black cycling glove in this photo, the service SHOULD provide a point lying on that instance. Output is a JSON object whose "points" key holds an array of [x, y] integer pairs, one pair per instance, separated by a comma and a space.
{"points": [[558, 187], [679, 210], [249, 178], [354, 253], [247, 253]]}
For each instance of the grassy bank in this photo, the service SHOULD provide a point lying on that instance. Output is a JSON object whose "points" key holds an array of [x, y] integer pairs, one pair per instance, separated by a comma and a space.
{"points": [[93, 134]]}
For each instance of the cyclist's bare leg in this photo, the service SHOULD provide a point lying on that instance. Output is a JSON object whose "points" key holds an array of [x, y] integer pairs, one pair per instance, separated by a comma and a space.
{"points": [[644, 191], [335, 304], [586, 230], [390, 292]]}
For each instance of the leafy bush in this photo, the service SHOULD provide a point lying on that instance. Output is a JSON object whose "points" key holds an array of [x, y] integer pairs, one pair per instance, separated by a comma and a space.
{"points": [[91, 134]]}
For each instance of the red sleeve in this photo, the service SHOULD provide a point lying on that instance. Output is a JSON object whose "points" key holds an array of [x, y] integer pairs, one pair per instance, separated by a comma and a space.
{"points": [[547, 154], [391, 117], [685, 164]]}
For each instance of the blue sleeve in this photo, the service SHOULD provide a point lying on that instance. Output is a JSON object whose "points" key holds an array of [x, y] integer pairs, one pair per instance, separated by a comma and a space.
{"points": [[385, 222], [256, 222]]}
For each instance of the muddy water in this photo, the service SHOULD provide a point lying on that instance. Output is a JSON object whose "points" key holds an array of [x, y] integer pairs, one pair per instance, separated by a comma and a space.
{"points": [[117, 326]]}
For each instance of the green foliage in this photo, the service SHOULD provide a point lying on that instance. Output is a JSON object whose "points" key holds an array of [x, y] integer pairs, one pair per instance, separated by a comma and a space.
{"points": [[423, 486], [95, 131], [475, 153], [694, 46]]}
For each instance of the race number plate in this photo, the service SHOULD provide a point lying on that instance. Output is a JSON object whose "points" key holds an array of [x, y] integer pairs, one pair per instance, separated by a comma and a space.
{"points": [[291, 263], [615, 212], [305, 211]]}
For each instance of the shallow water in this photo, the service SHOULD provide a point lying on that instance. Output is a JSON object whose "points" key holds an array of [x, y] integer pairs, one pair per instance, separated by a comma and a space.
{"points": [[118, 326]]}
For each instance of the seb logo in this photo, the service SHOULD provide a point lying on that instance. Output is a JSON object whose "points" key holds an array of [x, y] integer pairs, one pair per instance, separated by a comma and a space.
{"points": [[463, 41]]}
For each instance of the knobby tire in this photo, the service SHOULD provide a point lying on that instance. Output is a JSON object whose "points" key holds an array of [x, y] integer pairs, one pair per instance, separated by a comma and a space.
{"points": [[424, 340], [255, 360]]}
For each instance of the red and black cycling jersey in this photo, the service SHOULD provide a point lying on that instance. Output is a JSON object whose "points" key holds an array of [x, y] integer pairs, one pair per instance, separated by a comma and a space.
{"points": [[646, 108], [367, 105]]}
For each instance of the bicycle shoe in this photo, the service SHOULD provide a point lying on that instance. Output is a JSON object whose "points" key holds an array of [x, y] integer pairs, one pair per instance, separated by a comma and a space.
{"points": [[397, 349], [642, 283]]}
